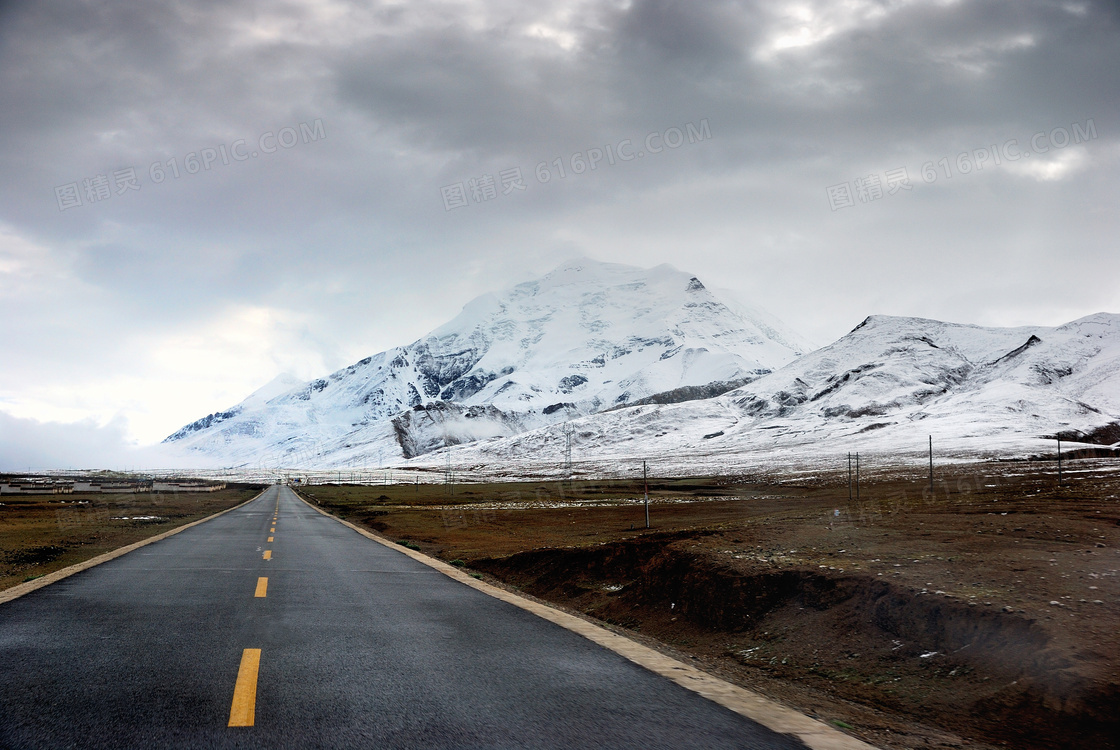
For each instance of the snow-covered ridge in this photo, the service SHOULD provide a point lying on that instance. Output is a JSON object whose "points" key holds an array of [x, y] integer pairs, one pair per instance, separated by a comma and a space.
{"points": [[885, 387], [582, 338]]}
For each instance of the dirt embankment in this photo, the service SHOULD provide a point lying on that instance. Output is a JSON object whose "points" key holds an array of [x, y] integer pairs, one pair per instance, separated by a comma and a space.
{"points": [[979, 672]]}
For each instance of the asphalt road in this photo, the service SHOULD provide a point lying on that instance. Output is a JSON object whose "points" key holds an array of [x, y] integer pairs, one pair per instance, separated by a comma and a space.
{"points": [[354, 645]]}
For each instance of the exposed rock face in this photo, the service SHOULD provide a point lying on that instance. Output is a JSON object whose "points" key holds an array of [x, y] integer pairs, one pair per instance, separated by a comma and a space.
{"points": [[436, 424]]}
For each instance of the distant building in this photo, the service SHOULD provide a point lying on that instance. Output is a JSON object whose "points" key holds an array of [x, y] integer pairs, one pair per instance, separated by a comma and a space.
{"points": [[35, 488], [170, 486], [124, 487]]}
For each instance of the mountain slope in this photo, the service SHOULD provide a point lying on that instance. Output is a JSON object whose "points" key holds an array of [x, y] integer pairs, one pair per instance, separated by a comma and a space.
{"points": [[885, 386], [585, 337]]}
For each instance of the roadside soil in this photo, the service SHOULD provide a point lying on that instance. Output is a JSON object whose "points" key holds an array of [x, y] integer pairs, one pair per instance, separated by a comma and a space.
{"points": [[40, 534], [982, 613]]}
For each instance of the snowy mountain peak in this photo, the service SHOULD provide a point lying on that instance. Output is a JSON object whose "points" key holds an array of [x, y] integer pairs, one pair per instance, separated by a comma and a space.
{"points": [[582, 338]]}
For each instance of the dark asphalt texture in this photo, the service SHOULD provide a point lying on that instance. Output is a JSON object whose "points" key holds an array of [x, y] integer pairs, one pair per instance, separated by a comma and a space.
{"points": [[361, 647]]}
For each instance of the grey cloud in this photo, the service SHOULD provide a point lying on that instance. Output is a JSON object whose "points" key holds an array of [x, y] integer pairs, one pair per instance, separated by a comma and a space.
{"points": [[699, 37]]}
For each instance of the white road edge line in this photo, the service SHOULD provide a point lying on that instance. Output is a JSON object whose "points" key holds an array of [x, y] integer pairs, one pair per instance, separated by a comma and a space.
{"points": [[15, 592], [774, 716]]}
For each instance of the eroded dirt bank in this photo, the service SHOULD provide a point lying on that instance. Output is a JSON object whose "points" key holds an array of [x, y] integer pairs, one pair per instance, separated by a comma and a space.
{"points": [[981, 672]]}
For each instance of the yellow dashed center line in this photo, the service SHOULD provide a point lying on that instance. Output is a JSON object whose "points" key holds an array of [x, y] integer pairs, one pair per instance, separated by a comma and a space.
{"points": [[262, 588], [243, 710], [268, 554], [270, 539], [272, 530]]}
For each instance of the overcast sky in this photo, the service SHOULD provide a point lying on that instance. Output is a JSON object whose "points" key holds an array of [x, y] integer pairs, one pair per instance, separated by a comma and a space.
{"points": [[324, 208]]}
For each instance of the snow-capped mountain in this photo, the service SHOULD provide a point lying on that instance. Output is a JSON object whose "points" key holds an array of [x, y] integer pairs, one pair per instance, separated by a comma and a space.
{"points": [[884, 387], [586, 337]]}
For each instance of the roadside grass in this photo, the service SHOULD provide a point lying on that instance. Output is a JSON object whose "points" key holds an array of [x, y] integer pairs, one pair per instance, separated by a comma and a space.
{"points": [[359, 499], [42, 534]]}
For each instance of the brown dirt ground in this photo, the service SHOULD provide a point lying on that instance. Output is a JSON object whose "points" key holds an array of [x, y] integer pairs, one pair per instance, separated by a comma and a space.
{"points": [[40, 534], [981, 614]]}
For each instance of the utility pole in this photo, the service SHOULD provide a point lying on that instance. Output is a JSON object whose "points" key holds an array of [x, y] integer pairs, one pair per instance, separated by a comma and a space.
{"points": [[931, 465], [568, 454], [1059, 462], [645, 481], [450, 486]]}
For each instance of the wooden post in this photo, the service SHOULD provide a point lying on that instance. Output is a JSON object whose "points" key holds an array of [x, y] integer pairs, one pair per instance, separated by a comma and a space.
{"points": [[645, 481], [931, 465], [849, 477], [1059, 462], [857, 476]]}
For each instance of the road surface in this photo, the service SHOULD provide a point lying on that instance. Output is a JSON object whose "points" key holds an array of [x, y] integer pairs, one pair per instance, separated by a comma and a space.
{"points": [[275, 626]]}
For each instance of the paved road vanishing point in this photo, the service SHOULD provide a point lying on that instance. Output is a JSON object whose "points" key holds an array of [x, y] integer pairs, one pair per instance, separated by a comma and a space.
{"points": [[275, 626]]}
